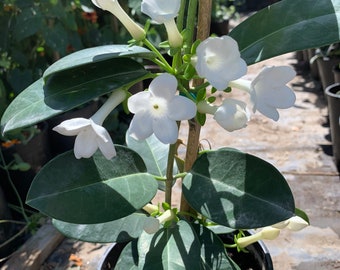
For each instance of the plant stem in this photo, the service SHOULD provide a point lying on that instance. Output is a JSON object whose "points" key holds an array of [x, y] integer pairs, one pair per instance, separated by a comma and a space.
{"points": [[203, 31], [22, 209], [169, 173]]}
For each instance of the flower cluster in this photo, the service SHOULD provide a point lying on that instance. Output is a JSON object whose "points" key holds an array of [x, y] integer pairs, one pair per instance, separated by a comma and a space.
{"points": [[216, 59]]}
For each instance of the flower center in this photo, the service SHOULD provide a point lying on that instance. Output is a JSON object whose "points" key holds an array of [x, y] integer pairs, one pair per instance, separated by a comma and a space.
{"points": [[158, 107], [212, 60]]}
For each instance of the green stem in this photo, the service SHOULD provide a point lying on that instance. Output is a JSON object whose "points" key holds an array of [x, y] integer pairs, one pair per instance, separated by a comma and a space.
{"points": [[161, 60], [22, 209], [169, 175], [191, 23], [14, 236], [230, 246]]}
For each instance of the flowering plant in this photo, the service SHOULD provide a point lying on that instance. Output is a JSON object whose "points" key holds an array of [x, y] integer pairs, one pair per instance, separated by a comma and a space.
{"points": [[104, 195]]}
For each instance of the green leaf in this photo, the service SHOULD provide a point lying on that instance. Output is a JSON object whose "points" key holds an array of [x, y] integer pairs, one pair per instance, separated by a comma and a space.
{"points": [[95, 55], [213, 253], [173, 248], [28, 23], [128, 259], [238, 190], [120, 230], [94, 190], [288, 26], [154, 154], [69, 89]]}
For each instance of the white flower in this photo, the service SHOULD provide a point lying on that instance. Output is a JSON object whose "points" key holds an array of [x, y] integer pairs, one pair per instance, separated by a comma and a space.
{"points": [[165, 11], [269, 91], [114, 7], [218, 60], [90, 133], [157, 110], [90, 137], [231, 115]]}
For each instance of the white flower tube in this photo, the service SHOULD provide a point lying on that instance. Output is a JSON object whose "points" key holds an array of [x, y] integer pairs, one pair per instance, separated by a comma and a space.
{"points": [[114, 7], [90, 133], [157, 110], [231, 115], [268, 91], [218, 60], [267, 233], [164, 12]]}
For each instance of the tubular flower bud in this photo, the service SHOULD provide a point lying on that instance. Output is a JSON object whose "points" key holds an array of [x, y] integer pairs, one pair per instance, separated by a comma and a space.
{"points": [[267, 233], [114, 7]]}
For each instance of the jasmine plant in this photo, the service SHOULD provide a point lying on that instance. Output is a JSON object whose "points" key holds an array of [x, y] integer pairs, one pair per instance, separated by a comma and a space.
{"points": [[105, 196]]}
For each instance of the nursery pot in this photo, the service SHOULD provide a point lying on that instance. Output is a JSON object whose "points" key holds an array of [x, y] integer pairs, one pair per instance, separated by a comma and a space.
{"points": [[333, 96], [325, 66], [336, 73], [258, 257]]}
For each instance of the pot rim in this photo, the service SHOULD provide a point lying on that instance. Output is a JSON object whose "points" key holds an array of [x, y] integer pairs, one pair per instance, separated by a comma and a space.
{"points": [[331, 87]]}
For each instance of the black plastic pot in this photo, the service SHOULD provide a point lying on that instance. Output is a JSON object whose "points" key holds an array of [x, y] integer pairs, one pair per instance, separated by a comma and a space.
{"points": [[333, 95], [258, 257], [325, 67]]}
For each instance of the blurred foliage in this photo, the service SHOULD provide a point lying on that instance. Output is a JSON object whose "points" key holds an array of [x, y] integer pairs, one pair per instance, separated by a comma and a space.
{"points": [[36, 33]]}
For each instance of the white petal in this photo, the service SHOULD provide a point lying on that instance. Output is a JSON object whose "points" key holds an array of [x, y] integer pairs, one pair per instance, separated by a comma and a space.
{"points": [[137, 102], [101, 132], [268, 111], [181, 108], [164, 86], [281, 98], [107, 148], [141, 126], [161, 10], [85, 145], [72, 126], [165, 130]]}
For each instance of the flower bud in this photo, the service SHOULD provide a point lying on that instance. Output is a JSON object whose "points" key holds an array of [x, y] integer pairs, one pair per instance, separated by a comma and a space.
{"points": [[267, 233], [297, 223], [114, 7]]}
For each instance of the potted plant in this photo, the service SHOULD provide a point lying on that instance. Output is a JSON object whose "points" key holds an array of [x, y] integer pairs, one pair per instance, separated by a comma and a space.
{"points": [[222, 12], [105, 195], [326, 58]]}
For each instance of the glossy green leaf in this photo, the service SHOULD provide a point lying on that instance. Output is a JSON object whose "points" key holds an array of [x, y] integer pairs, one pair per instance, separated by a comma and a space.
{"points": [[128, 258], [66, 90], [96, 54], [213, 253], [170, 248], [288, 26], [120, 230], [93, 190], [154, 154], [238, 190]]}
